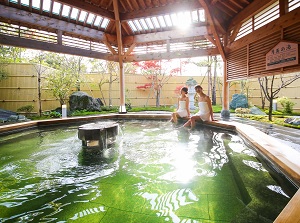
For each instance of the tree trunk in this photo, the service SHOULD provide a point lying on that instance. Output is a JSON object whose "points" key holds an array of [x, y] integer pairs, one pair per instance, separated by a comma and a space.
{"points": [[157, 97], [101, 92], [270, 109], [262, 94], [39, 91], [213, 93]]}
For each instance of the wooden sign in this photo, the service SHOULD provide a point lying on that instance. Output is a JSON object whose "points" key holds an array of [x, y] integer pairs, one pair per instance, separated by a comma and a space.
{"points": [[282, 55]]}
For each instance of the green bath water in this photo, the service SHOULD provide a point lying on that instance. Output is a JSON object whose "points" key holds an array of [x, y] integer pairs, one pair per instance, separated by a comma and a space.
{"points": [[154, 172]]}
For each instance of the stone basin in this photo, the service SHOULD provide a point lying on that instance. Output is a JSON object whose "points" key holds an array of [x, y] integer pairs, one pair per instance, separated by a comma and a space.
{"points": [[99, 134]]}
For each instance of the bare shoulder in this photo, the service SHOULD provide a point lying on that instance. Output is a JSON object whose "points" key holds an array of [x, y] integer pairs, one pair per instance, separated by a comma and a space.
{"points": [[206, 98]]}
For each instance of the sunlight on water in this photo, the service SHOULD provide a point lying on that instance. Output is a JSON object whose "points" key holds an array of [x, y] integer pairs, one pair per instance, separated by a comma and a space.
{"points": [[154, 172]]}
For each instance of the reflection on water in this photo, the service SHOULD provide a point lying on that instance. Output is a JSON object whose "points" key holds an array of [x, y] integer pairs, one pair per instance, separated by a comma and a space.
{"points": [[153, 171], [86, 212], [167, 204]]}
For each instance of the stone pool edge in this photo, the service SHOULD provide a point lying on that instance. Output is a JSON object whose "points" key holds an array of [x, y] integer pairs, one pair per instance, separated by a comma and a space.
{"points": [[284, 156]]}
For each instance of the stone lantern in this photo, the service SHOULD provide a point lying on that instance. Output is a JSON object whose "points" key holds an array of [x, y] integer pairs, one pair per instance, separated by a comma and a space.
{"points": [[191, 83]]}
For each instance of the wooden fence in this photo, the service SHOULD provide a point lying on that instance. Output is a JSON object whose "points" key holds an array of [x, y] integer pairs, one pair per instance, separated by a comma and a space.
{"points": [[21, 88]]}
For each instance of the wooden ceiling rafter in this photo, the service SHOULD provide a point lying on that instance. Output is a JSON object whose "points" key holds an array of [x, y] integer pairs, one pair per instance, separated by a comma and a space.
{"points": [[234, 33], [82, 5], [126, 28], [228, 6], [142, 4], [51, 8], [111, 49], [118, 28], [130, 6], [130, 49], [225, 10], [163, 10], [236, 4], [123, 5], [211, 39], [212, 25], [135, 5], [249, 11], [41, 7]]}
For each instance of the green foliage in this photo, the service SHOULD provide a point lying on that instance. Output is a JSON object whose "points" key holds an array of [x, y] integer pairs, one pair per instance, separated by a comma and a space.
{"points": [[60, 84], [242, 110], [287, 104], [217, 108], [273, 112], [54, 114], [3, 72], [9, 54], [67, 76], [161, 108], [277, 119], [104, 110], [26, 108], [110, 108]]}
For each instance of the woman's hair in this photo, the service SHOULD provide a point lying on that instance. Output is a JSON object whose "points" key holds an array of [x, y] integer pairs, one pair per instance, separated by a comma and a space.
{"points": [[185, 89], [198, 86]]}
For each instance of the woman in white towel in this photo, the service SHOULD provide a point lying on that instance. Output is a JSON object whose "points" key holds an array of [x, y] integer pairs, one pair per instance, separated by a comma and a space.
{"points": [[205, 112], [183, 109]]}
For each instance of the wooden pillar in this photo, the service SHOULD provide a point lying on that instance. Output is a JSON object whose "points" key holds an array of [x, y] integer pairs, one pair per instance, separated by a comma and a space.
{"points": [[225, 89], [225, 113], [122, 108], [59, 37]]}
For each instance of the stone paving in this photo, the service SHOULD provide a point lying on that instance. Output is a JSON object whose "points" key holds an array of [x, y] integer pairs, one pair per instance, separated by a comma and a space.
{"points": [[288, 136]]}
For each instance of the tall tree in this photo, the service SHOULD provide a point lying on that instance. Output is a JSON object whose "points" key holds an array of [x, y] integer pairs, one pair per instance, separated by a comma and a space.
{"points": [[214, 82], [212, 79], [40, 70], [60, 84], [270, 91], [66, 77], [153, 71]]}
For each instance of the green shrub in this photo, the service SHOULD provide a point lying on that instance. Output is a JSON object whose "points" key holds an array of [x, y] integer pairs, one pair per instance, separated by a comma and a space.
{"points": [[242, 111], [110, 108], [287, 104], [54, 114], [26, 108]]}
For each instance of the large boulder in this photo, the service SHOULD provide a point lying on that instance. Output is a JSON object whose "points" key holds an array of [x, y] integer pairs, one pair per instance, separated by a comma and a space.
{"points": [[293, 121], [238, 101], [256, 111], [82, 101]]}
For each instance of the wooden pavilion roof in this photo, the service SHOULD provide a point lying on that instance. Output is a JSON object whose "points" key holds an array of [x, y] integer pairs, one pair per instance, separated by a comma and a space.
{"points": [[136, 29]]}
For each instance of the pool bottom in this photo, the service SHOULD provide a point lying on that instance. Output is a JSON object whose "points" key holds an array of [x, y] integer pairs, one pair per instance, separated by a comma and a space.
{"points": [[162, 174]]}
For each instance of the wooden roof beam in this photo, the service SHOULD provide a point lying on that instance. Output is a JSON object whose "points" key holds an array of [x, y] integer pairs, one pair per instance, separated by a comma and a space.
{"points": [[211, 39], [210, 18], [234, 33], [82, 5], [49, 23], [118, 28], [56, 48], [163, 36], [168, 9], [167, 55], [111, 49], [249, 11], [130, 49]]}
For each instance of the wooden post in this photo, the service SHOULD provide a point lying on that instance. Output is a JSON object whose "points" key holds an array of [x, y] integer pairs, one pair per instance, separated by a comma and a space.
{"points": [[225, 106], [122, 108], [225, 89]]}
